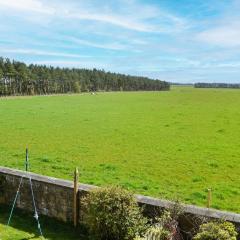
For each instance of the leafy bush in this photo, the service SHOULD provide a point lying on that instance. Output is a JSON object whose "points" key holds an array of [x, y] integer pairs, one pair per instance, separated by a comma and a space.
{"points": [[164, 228], [139, 238], [157, 233], [112, 214], [216, 231]]}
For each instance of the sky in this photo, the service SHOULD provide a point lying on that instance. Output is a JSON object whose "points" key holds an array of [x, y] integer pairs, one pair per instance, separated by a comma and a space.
{"points": [[182, 41]]}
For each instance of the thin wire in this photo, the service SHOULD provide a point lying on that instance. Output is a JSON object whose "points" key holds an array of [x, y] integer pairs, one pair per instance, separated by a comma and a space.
{"points": [[34, 205], [33, 198], [15, 200], [27, 166]]}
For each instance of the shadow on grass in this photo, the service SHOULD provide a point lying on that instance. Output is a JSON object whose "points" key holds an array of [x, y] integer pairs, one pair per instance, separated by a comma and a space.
{"points": [[23, 226]]}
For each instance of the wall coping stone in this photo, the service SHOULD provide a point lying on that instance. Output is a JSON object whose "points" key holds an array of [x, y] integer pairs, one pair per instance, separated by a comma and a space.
{"points": [[189, 209]]}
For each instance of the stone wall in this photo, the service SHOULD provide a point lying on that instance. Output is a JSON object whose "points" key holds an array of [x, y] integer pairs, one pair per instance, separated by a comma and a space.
{"points": [[54, 198]]}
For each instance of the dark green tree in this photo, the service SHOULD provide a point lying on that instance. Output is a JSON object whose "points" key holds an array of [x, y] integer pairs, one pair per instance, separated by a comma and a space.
{"points": [[18, 78]]}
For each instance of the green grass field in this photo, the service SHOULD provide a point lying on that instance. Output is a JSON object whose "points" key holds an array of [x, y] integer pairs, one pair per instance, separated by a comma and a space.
{"points": [[173, 144]]}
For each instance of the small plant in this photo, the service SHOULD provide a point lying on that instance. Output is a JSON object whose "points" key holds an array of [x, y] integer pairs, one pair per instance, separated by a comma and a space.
{"points": [[164, 228], [112, 213], [216, 231], [158, 233], [155, 233]]}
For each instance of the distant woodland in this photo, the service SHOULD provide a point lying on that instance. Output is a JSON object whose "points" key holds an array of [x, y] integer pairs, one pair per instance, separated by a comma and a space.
{"points": [[17, 78], [216, 85]]}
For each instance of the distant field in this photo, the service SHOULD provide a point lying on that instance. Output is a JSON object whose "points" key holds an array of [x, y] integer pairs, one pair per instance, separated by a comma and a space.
{"points": [[173, 144]]}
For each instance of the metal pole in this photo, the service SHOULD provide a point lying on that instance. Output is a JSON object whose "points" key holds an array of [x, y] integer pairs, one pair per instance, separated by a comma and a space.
{"points": [[26, 162], [75, 197], [209, 198]]}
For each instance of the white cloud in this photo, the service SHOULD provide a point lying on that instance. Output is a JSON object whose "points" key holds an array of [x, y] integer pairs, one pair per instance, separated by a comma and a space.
{"points": [[124, 18], [235, 64], [226, 35], [114, 20], [160, 23], [26, 5], [111, 46], [145, 37], [40, 53]]}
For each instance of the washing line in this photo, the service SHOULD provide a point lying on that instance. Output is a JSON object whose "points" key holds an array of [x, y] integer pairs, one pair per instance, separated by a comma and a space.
{"points": [[26, 175]]}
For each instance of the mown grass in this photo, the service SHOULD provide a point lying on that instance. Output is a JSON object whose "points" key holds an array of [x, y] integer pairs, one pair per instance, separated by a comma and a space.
{"points": [[23, 227], [174, 144]]}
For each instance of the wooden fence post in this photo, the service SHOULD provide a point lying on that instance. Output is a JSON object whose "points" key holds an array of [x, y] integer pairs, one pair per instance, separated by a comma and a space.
{"points": [[75, 197], [209, 199]]}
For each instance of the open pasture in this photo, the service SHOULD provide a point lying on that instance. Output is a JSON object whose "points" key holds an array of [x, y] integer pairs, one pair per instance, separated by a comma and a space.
{"points": [[174, 144]]}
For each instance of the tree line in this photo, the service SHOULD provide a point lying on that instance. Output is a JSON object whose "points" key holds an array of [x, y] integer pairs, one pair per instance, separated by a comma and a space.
{"points": [[17, 78], [217, 85]]}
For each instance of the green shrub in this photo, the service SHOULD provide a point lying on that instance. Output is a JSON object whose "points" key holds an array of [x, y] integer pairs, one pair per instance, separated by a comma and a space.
{"points": [[164, 228], [216, 231], [139, 238], [112, 214], [157, 233]]}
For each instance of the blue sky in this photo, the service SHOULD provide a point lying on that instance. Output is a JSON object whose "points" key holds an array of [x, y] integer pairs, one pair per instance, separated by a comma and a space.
{"points": [[173, 40]]}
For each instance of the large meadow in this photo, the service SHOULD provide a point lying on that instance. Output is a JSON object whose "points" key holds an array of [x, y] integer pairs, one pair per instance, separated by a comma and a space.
{"points": [[172, 144]]}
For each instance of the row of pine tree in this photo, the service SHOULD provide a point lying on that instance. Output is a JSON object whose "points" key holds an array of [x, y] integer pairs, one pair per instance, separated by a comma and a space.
{"points": [[17, 78], [217, 85]]}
